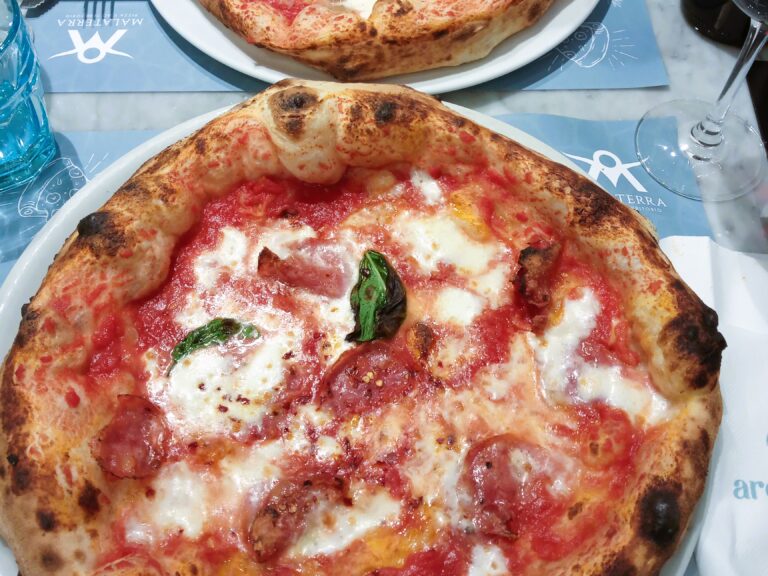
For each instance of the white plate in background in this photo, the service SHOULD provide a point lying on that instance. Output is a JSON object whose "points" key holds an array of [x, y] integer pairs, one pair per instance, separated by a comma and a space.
{"points": [[201, 29]]}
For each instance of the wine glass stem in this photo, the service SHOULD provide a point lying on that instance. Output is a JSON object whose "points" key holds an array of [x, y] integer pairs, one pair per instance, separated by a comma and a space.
{"points": [[708, 132]]}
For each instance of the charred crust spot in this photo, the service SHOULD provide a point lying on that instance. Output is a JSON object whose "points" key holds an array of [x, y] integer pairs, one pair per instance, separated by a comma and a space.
{"points": [[99, 232], [193, 569], [385, 112], [619, 566], [290, 108], [437, 34], [88, 500], [403, 8], [693, 336], [12, 459], [51, 560], [660, 518], [21, 479], [200, 146], [28, 326], [2, 472], [46, 520], [293, 101], [535, 11], [592, 205], [373, 32]]}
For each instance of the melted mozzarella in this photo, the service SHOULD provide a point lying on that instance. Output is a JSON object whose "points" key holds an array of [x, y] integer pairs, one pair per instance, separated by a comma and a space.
{"points": [[563, 370], [428, 187], [209, 391], [228, 256], [493, 284], [487, 560], [180, 503], [364, 8], [457, 306], [556, 352], [438, 239], [332, 527]]}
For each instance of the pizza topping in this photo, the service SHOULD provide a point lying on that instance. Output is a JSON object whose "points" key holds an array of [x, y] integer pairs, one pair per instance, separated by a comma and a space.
{"points": [[371, 375], [320, 269], [428, 186], [487, 560], [283, 514], [566, 375], [363, 8], [435, 240], [534, 277], [457, 306], [290, 9], [217, 331], [378, 299], [511, 482], [135, 443], [333, 525]]}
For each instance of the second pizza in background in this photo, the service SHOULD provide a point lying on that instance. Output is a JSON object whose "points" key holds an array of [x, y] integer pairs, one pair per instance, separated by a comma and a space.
{"points": [[366, 39]]}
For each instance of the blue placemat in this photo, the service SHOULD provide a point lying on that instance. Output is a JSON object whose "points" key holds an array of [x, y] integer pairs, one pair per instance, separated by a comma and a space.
{"points": [[614, 48], [125, 46], [604, 149], [81, 155]]}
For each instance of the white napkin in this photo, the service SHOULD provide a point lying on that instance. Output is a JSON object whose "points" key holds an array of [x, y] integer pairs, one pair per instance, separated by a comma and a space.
{"points": [[735, 507]]}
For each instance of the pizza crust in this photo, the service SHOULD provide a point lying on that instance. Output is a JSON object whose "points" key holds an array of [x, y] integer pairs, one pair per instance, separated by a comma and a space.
{"points": [[55, 520], [400, 36]]}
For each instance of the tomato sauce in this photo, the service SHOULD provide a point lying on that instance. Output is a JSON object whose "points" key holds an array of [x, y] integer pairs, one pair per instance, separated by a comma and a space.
{"points": [[289, 9]]}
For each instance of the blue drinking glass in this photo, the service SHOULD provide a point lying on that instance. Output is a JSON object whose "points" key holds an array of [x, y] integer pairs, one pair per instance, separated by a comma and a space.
{"points": [[26, 141]]}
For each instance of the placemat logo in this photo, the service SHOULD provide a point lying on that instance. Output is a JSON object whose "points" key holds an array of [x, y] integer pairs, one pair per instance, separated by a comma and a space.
{"points": [[94, 43]]}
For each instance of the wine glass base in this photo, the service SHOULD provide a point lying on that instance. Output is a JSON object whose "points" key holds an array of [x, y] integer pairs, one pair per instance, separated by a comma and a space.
{"points": [[705, 171]]}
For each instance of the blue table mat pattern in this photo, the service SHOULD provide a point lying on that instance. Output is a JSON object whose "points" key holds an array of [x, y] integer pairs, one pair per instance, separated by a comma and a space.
{"points": [[614, 48], [124, 46], [603, 149], [127, 47]]}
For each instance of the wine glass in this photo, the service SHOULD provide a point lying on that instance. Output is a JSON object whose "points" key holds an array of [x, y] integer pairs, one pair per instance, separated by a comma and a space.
{"points": [[723, 152]]}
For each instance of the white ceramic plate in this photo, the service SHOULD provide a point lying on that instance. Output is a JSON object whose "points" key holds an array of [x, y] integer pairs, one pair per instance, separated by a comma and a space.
{"points": [[206, 33], [28, 272]]}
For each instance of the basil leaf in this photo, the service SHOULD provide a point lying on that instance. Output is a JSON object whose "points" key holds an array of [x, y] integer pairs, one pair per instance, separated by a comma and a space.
{"points": [[378, 300], [217, 331]]}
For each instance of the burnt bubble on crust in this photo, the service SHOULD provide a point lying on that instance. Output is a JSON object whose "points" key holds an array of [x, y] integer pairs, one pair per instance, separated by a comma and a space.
{"points": [[46, 520], [619, 566], [660, 517], [385, 112], [101, 234], [28, 326], [290, 107], [693, 334], [88, 500], [50, 560]]}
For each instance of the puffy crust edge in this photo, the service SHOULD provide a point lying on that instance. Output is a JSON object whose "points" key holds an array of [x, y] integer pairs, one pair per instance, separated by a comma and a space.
{"points": [[397, 38], [313, 131]]}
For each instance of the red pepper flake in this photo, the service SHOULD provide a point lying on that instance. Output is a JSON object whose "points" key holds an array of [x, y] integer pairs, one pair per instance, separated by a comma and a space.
{"points": [[528, 178], [654, 286], [72, 399], [223, 408], [521, 217], [19, 374], [466, 137], [46, 359], [126, 253], [150, 493]]}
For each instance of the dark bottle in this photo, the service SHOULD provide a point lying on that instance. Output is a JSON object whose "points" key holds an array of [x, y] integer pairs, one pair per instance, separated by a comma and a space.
{"points": [[720, 20]]}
